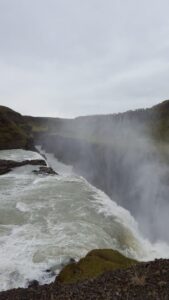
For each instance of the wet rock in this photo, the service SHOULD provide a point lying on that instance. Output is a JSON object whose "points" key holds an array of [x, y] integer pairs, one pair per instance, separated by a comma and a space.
{"points": [[4, 170], [72, 260], [33, 284], [52, 270], [45, 171], [7, 165]]}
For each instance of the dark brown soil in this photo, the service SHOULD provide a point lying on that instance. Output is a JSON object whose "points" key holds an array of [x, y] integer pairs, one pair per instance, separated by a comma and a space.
{"points": [[142, 281]]}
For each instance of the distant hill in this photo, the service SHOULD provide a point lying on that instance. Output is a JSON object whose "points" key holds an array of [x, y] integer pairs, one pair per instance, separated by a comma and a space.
{"points": [[16, 131], [99, 127]]}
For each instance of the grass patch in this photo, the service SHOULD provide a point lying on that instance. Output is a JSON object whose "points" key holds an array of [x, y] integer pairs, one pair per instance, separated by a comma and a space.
{"points": [[94, 264]]}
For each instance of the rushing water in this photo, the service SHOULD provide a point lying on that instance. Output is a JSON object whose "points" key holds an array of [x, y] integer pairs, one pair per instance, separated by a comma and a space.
{"points": [[46, 220]]}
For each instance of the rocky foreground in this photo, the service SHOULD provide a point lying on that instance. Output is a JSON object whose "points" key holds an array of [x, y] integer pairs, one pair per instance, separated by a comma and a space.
{"points": [[141, 281]]}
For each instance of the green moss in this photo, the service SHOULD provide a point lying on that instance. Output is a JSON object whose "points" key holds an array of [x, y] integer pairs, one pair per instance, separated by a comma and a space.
{"points": [[94, 264]]}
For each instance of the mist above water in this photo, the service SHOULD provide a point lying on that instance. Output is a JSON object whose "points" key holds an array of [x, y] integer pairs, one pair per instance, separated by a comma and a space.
{"points": [[119, 155]]}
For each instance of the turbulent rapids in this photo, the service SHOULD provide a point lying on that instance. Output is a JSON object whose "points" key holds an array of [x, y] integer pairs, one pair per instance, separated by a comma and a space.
{"points": [[47, 220]]}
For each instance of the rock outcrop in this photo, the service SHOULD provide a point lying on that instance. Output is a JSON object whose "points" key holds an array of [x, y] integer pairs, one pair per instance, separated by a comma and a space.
{"points": [[45, 171], [94, 264], [7, 165]]}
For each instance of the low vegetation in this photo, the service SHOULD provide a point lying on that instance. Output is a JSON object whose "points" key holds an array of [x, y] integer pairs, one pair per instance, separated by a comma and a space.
{"points": [[94, 264]]}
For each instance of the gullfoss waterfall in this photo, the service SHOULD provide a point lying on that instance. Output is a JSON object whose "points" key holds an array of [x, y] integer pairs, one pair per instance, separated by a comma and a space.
{"points": [[45, 221]]}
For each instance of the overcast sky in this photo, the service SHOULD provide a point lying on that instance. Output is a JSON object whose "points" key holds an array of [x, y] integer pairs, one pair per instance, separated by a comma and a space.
{"points": [[77, 57]]}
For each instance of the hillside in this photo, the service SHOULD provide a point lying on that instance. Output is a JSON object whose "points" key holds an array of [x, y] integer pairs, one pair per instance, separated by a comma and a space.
{"points": [[14, 131], [98, 128]]}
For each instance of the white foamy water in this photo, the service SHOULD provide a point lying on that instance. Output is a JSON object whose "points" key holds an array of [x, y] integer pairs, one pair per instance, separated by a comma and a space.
{"points": [[46, 220], [19, 155]]}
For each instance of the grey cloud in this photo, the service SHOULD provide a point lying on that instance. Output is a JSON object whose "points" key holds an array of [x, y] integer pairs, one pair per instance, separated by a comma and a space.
{"points": [[68, 58]]}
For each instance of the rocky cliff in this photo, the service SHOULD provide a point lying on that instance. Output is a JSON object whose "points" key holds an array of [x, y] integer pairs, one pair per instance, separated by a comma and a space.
{"points": [[14, 131]]}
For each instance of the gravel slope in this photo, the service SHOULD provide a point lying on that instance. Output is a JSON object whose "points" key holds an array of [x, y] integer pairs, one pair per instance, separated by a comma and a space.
{"points": [[142, 281]]}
